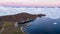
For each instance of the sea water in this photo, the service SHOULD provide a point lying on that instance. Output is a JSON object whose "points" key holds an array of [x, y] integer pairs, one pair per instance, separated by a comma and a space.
{"points": [[44, 26], [50, 24]]}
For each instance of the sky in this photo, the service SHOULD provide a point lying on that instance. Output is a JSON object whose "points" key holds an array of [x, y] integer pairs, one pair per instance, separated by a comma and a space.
{"points": [[29, 2], [51, 12]]}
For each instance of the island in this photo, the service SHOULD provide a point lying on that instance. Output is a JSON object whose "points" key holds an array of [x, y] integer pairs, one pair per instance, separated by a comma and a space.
{"points": [[14, 24]]}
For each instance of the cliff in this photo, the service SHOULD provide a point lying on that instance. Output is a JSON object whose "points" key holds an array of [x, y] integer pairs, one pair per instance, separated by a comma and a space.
{"points": [[20, 17], [9, 20]]}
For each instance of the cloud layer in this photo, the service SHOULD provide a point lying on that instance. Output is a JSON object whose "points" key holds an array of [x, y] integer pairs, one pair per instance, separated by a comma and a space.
{"points": [[50, 12]]}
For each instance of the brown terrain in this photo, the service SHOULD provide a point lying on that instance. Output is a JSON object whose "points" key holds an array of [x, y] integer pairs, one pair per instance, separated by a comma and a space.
{"points": [[20, 17], [9, 21]]}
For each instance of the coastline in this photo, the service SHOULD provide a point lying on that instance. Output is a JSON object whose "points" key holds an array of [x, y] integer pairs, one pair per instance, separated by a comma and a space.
{"points": [[23, 27]]}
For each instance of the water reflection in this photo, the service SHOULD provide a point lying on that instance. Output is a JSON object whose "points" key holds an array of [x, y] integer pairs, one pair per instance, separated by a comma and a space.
{"points": [[44, 26]]}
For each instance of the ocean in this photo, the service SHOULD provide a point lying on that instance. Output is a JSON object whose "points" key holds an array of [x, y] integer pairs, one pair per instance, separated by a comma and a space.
{"points": [[44, 26], [50, 24]]}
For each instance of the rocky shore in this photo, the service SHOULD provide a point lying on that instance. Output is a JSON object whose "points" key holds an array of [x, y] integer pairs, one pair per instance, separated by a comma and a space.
{"points": [[20, 19]]}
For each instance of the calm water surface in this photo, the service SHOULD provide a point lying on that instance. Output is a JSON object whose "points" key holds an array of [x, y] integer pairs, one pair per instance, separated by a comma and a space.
{"points": [[44, 26], [48, 25]]}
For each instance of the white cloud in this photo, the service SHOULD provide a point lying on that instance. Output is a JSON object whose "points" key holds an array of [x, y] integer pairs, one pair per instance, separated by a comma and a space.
{"points": [[50, 12]]}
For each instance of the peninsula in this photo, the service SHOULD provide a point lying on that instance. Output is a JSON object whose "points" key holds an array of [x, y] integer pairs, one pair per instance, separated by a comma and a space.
{"points": [[13, 22]]}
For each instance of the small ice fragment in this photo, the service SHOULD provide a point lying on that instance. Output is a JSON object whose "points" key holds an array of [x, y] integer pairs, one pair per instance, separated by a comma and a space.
{"points": [[55, 23]]}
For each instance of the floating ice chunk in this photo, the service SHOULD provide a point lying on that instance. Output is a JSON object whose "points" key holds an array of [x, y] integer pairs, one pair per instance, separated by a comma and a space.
{"points": [[55, 23]]}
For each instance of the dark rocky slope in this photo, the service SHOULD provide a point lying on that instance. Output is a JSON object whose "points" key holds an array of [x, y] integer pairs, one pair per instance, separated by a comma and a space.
{"points": [[20, 17], [8, 22]]}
